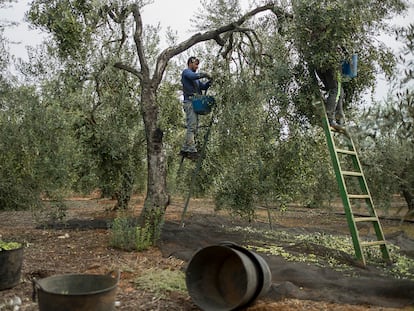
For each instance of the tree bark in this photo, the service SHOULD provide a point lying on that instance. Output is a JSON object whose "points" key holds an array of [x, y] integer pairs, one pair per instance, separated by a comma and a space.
{"points": [[156, 199], [409, 199]]}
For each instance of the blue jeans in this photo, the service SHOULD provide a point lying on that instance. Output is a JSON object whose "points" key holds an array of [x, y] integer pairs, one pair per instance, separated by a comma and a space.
{"points": [[191, 123]]}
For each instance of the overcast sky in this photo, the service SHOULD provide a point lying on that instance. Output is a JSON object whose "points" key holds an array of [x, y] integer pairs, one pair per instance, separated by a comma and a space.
{"points": [[175, 14]]}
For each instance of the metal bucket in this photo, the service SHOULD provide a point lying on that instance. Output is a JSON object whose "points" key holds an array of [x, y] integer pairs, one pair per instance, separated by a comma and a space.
{"points": [[10, 267], [226, 277], [77, 292]]}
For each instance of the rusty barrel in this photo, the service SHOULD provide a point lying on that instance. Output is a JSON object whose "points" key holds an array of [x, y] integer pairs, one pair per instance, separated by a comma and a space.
{"points": [[226, 277], [77, 292]]}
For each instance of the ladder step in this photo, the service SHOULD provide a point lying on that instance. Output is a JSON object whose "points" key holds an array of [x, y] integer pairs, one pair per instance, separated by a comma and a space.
{"points": [[373, 243], [350, 173], [359, 196], [367, 218], [345, 151]]}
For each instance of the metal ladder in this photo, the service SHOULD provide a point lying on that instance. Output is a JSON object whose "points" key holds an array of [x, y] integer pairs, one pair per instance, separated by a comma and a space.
{"points": [[353, 188], [197, 168]]}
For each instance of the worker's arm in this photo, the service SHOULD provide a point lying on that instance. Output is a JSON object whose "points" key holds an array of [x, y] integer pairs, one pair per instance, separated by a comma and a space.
{"points": [[191, 75]]}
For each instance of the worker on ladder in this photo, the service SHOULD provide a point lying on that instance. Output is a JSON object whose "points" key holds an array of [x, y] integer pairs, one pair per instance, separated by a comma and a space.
{"points": [[332, 79], [192, 85]]}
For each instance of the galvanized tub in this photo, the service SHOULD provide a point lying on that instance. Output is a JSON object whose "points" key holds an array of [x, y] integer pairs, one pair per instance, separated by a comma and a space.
{"points": [[77, 292], [226, 277]]}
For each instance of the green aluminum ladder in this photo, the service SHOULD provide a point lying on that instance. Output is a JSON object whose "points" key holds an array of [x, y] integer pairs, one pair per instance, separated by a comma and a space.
{"points": [[353, 189]]}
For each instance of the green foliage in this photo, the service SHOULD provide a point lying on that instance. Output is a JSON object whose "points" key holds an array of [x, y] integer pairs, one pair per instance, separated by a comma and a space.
{"points": [[386, 162], [102, 99], [263, 147], [117, 154], [70, 22], [162, 282], [320, 27], [129, 233], [238, 190], [216, 13], [126, 234], [50, 212], [4, 55], [7, 246], [35, 150], [388, 152], [262, 150]]}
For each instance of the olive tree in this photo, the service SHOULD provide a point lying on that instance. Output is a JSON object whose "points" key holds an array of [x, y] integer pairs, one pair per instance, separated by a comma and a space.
{"points": [[117, 26], [113, 35], [323, 27], [268, 147], [35, 144], [389, 128]]}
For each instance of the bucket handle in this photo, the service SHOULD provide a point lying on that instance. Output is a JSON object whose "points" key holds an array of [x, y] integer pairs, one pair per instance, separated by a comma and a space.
{"points": [[36, 287]]}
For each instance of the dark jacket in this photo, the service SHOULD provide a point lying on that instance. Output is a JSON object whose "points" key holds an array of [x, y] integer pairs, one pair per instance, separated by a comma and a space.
{"points": [[192, 84]]}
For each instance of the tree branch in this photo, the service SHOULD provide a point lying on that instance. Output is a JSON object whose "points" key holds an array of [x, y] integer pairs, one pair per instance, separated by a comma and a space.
{"points": [[129, 69], [138, 39], [170, 52]]}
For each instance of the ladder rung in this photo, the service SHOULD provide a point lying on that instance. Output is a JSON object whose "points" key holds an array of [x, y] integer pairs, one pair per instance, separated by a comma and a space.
{"points": [[344, 151], [359, 196], [367, 218], [373, 243], [350, 173]]}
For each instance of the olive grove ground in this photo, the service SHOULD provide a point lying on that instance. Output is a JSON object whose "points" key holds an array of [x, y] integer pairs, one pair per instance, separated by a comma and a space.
{"points": [[307, 275]]}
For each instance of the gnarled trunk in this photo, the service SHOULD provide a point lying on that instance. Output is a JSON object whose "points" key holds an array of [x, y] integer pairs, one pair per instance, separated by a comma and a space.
{"points": [[156, 200]]}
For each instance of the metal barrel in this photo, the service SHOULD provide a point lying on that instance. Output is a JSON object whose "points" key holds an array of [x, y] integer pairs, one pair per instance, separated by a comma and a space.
{"points": [[226, 277], [77, 292], [10, 267]]}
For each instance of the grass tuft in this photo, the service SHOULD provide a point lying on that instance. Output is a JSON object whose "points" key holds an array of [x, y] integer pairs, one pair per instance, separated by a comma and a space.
{"points": [[162, 281]]}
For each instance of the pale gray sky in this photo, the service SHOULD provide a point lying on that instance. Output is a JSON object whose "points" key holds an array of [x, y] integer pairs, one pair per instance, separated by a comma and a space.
{"points": [[175, 14]]}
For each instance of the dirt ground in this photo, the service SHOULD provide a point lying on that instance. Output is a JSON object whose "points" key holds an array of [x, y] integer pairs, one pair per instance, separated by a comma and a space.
{"points": [[80, 244]]}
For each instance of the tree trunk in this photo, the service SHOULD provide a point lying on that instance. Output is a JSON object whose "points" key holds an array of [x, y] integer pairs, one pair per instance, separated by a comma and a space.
{"points": [[409, 198], [157, 198], [405, 191]]}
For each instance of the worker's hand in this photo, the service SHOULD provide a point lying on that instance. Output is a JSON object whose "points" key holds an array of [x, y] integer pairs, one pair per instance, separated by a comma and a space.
{"points": [[205, 75]]}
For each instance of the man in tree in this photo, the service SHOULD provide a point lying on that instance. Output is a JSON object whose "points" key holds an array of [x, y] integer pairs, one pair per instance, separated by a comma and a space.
{"points": [[192, 85], [332, 81], [331, 78]]}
